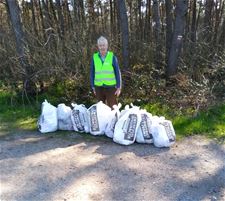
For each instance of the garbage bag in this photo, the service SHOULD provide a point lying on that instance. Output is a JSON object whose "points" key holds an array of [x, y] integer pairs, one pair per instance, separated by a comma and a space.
{"points": [[79, 118], [126, 127], [98, 116], [114, 116], [163, 132], [126, 108], [64, 117], [144, 133], [47, 121]]}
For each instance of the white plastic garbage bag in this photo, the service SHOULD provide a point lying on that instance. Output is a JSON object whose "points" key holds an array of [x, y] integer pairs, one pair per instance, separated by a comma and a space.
{"points": [[47, 121], [114, 116], [163, 132], [126, 108], [126, 127], [64, 117], [144, 134], [99, 116], [79, 118]]}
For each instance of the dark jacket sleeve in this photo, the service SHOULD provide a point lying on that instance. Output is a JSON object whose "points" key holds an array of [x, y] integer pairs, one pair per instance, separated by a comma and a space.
{"points": [[117, 72], [92, 73]]}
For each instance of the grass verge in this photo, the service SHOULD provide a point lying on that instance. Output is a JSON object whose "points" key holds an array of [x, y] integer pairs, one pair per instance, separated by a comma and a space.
{"points": [[210, 122]]}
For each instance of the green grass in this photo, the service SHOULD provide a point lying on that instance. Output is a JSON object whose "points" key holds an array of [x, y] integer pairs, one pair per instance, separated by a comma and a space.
{"points": [[17, 118], [14, 115], [209, 122], [13, 118]]}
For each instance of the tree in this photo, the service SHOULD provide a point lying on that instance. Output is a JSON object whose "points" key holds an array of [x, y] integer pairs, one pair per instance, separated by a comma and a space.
{"points": [[180, 11], [208, 20], [57, 37], [219, 9], [222, 37], [14, 13], [147, 27], [125, 32], [169, 27], [157, 33], [34, 18], [60, 18], [193, 23]]}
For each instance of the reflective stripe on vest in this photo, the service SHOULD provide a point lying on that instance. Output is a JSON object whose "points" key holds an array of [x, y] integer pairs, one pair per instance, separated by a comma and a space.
{"points": [[104, 72]]}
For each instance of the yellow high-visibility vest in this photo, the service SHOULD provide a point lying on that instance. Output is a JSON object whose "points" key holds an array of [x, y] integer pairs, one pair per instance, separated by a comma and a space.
{"points": [[104, 72]]}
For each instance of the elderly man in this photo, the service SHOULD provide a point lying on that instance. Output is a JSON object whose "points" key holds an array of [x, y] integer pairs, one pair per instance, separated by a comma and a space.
{"points": [[105, 74]]}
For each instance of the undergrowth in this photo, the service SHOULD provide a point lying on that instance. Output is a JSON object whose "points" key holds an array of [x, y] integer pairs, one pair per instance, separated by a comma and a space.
{"points": [[209, 121]]}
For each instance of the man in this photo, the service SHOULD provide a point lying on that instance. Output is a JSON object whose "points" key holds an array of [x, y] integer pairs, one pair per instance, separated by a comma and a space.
{"points": [[105, 74]]}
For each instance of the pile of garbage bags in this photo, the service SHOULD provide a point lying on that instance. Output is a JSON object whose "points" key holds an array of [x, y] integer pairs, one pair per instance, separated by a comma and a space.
{"points": [[123, 126]]}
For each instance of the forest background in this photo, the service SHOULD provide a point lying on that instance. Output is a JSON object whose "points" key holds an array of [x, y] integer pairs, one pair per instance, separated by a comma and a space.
{"points": [[171, 55]]}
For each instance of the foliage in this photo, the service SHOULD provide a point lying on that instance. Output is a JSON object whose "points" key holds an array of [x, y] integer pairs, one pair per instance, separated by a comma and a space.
{"points": [[59, 51], [67, 91]]}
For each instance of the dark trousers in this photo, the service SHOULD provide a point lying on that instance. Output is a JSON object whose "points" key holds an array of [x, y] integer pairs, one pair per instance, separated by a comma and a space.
{"points": [[106, 95]]}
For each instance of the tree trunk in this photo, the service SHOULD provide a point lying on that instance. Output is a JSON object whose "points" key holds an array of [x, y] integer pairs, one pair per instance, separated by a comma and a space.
{"points": [[169, 27], [67, 16], [157, 34], [33, 18], [136, 31], [38, 20], [198, 16], [92, 18], [139, 25], [54, 16], [75, 4], [208, 20], [219, 11], [131, 24], [147, 21], [181, 10], [111, 18], [193, 22], [82, 12], [46, 14], [81, 26], [125, 32], [60, 18], [222, 38], [42, 20], [117, 23], [14, 13]]}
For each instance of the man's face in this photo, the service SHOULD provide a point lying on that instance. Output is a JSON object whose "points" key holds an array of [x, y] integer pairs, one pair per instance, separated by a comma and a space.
{"points": [[102, 48]]}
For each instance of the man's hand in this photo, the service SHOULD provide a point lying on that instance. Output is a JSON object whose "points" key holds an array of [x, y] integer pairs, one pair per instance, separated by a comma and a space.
{"points": [[94, 91], [118, 91]]}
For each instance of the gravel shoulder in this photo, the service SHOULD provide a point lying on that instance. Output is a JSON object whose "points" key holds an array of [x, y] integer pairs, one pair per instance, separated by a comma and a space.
{"points": [[34, 166]]}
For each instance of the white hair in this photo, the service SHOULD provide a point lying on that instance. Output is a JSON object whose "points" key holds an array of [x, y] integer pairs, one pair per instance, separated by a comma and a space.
{"points": [[102, 40]]}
